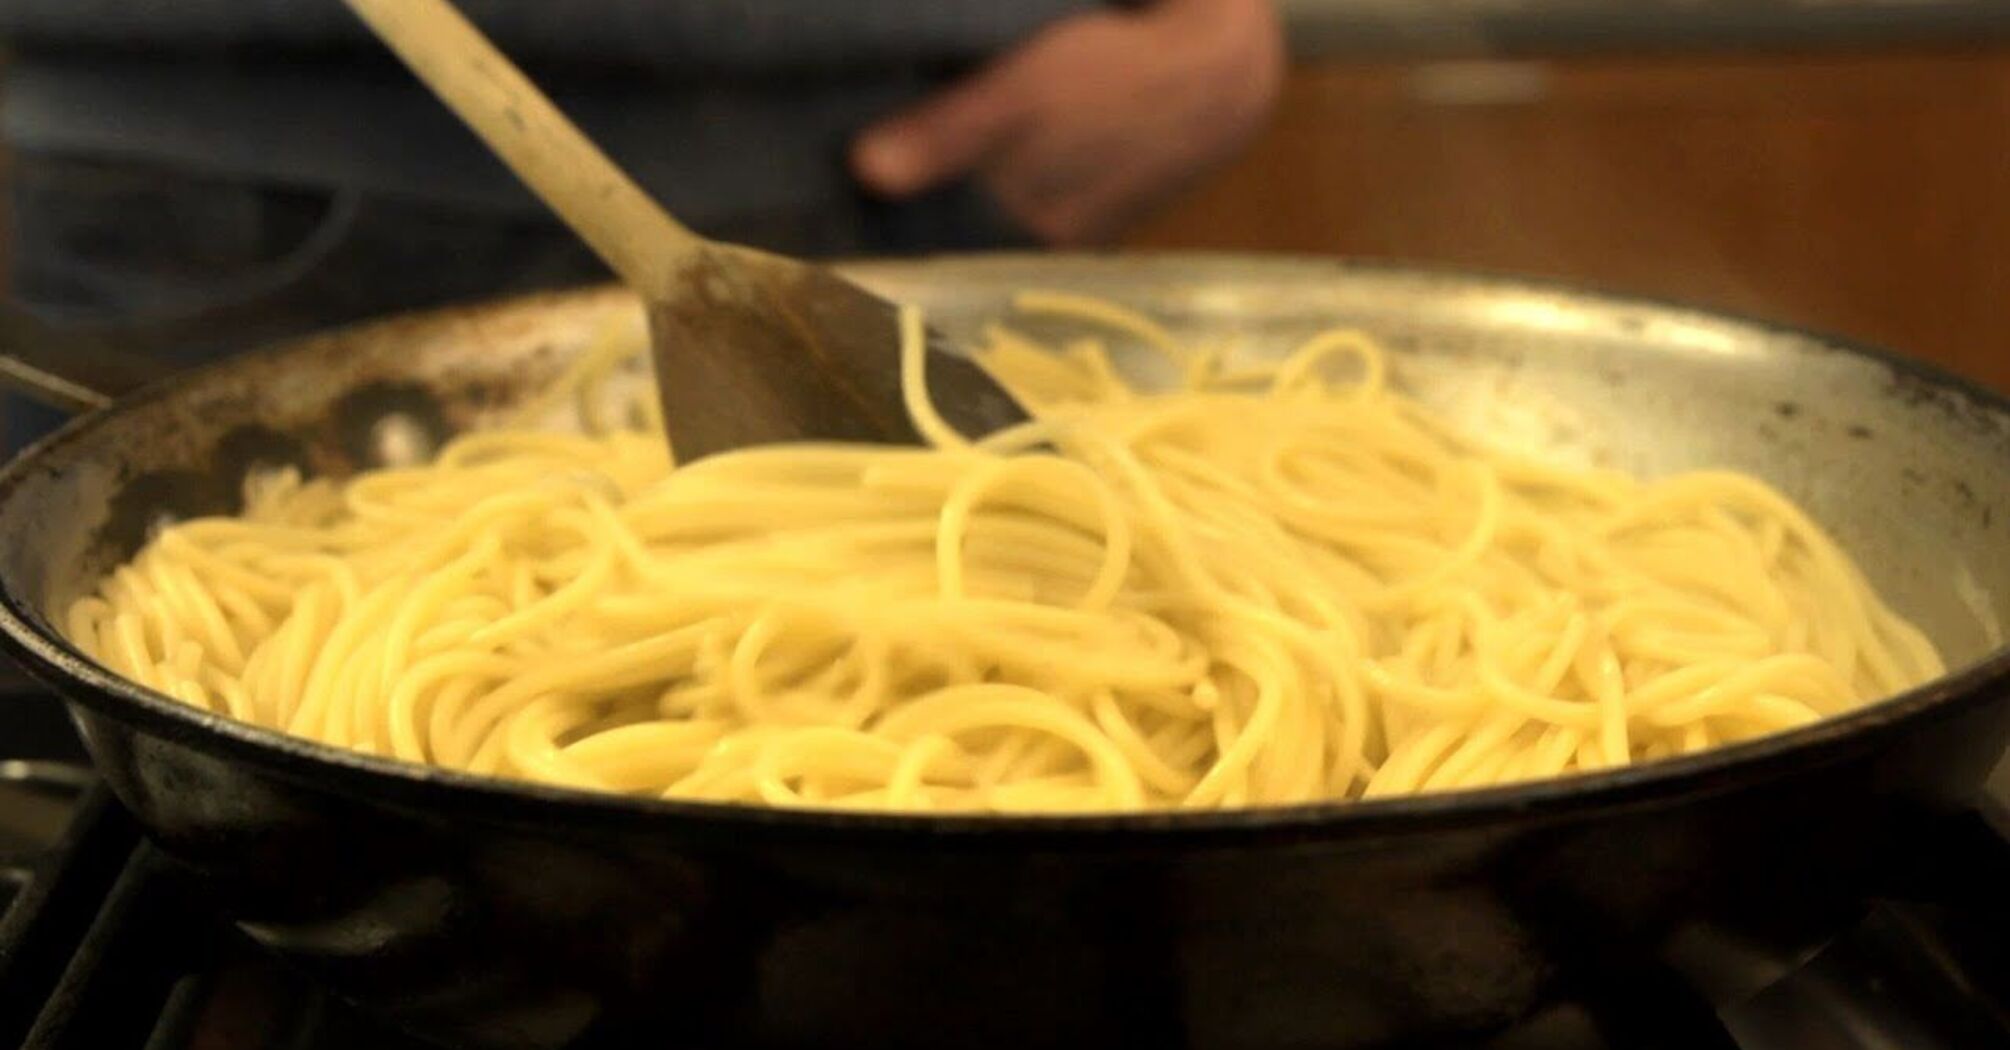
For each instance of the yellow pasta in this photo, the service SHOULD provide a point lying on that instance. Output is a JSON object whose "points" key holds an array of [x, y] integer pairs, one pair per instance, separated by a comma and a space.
{"points": [[1274, 584]]}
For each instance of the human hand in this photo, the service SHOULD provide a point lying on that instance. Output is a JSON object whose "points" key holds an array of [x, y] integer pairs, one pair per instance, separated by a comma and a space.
{"points": [[1095, 120]]}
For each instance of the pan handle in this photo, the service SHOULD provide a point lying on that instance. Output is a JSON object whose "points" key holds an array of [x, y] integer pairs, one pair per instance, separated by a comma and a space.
{"points": [[70, 370]]}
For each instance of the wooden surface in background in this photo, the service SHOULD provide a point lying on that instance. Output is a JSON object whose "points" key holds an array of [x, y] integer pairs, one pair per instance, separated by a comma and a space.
{"points": [[1867, 195]]}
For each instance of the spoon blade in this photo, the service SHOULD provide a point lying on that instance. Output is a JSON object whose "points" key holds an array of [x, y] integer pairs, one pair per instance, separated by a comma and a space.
{"points": [[753, 349]]}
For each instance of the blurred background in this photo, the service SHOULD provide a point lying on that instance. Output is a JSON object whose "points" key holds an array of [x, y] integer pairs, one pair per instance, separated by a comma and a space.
{"points": [[1838, 164], [184, 180]]}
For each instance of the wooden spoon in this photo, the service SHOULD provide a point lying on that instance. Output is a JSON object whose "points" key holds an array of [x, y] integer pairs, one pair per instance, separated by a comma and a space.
{"points": [[750, 347]]}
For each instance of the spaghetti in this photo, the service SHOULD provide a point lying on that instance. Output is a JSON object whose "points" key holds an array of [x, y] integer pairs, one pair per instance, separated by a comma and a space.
{"points": [[1271, 585]]}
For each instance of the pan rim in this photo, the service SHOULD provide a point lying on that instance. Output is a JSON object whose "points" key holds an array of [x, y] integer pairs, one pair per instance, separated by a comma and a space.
{"points": [[81, 681]]}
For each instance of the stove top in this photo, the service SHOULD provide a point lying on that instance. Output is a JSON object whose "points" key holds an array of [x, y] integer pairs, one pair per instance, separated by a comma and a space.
{"points": [[104, 945]]}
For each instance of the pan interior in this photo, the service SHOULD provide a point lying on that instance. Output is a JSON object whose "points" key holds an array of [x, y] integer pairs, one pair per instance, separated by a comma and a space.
{"points": [[1904, 468]]}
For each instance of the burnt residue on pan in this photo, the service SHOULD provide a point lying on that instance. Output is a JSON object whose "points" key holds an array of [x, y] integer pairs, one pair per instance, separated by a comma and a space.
{"points": [[388, 424], [382, 394]]}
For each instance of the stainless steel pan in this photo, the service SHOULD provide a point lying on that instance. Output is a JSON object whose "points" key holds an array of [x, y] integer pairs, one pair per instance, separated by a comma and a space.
{"points": [[500, 914]]}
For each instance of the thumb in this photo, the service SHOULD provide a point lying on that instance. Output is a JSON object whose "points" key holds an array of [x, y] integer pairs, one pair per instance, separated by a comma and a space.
{"points": [[942, 138]]}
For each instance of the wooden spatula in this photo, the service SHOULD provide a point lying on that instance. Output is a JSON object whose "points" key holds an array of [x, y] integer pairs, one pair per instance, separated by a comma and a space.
{"points": [[750, 347]]}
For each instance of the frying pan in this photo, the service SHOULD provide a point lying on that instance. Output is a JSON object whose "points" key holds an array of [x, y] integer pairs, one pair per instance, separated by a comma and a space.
{"points": [[497, 914]]}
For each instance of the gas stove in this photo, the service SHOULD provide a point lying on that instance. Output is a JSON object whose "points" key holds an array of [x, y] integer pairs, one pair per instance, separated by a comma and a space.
{"points": [[105, 945]]}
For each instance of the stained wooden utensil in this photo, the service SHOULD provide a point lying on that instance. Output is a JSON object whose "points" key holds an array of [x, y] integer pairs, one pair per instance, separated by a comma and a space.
{"points": [[749, 347]]}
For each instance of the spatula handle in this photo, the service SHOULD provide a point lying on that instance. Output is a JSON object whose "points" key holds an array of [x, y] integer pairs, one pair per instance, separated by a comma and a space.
{"points": [[597, 199]]}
